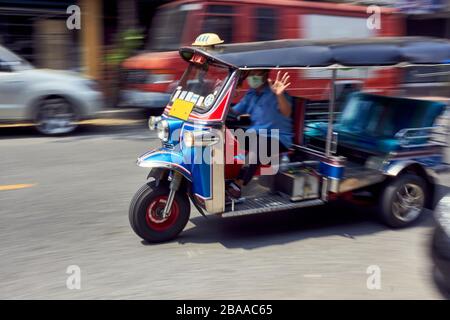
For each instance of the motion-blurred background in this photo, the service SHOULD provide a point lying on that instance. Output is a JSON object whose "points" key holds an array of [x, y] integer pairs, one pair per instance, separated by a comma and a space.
{"points": [[64, 200], [114, 30]]}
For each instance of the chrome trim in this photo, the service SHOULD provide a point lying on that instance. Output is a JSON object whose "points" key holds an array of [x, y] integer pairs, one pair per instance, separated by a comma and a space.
{"points": [[334, 185], [407, 137], [331, 107], [334, 160], [325, 189], [217, 202], [166, 165], [200, 138], [396, 155], [396, 168], [174, 185], [334, 143]]}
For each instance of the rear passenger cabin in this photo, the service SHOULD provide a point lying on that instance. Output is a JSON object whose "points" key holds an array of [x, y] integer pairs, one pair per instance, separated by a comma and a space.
{"points": [[370, 134]]}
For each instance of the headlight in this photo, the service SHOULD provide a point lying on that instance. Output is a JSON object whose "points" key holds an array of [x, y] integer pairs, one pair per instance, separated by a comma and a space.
{"points": [[442, 214], [163, 130], [152, 122]]}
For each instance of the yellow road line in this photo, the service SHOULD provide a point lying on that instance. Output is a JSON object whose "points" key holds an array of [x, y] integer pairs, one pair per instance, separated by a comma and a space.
{"points": [[15, 186], [96, 122], [110, 122], [16, 125]]}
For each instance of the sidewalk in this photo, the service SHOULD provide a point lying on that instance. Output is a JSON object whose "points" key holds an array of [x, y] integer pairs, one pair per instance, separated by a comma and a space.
{"points": [[123, 113], [106, 117]]}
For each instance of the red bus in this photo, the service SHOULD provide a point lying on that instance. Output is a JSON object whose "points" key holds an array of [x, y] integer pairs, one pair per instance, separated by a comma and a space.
{"points": [[148, 78]]}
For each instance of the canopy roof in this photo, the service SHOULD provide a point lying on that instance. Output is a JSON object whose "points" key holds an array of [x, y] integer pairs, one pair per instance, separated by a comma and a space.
{"points": [[370, 52]]}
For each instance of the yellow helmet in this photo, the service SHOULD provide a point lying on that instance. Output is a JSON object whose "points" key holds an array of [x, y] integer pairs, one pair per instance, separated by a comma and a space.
{"points": [[207, 40]]}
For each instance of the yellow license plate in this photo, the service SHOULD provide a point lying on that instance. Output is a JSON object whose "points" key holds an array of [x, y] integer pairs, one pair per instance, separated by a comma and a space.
{"points": [[181, 109]]}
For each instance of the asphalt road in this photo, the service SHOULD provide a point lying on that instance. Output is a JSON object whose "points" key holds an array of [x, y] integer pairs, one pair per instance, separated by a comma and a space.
{"points": [[67, 204]]}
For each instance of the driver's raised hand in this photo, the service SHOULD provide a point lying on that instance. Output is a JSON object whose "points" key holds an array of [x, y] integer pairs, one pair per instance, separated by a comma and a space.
{"points": [[280, 84]]}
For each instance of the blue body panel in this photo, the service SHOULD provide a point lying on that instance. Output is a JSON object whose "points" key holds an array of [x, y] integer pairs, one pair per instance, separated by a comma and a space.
{"points": [[331, 171], [198, 160], [192, 162]]}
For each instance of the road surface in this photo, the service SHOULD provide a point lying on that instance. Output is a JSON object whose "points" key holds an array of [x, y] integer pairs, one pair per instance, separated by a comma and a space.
{"points": [[65, 202]]}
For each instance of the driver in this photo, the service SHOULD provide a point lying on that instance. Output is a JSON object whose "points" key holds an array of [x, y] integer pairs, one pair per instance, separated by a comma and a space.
{"points": [[269, 107]]}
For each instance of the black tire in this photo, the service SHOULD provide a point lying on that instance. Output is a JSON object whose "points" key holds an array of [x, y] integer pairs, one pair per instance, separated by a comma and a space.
{"points": [[58, 109], [139, 217], [390, 198]]}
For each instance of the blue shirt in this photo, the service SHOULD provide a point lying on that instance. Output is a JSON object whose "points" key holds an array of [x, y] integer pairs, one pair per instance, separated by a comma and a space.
{"points": [[265, 113]]}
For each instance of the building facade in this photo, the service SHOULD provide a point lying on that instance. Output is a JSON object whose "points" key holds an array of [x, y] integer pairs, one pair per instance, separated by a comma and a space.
{"points": [[37, 30]]}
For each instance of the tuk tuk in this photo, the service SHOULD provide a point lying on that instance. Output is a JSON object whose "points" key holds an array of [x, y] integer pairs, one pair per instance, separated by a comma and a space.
{"points": [[384, 146]]}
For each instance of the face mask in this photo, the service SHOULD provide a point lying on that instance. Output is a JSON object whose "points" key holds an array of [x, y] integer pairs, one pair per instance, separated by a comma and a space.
{"points": [[255, 81]]}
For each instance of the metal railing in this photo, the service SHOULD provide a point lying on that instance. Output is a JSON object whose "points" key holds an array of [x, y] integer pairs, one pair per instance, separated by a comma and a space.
{"points": [[423, 137], [318, 112]]}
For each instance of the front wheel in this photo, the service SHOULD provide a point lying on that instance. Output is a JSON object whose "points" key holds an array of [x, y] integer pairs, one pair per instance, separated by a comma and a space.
{"points": [[146, 217], [403, 201]]}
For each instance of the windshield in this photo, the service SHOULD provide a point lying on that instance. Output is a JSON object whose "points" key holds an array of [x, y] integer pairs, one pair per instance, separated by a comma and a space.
{"points": [[201, 85], [167, 29], [11, 61]]}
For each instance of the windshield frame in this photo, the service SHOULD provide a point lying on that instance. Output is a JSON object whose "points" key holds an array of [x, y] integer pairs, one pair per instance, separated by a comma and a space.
{"points": [[217, 91]]}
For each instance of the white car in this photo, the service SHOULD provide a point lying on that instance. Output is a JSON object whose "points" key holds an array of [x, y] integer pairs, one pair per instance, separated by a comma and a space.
{"points": [[54, 100]]}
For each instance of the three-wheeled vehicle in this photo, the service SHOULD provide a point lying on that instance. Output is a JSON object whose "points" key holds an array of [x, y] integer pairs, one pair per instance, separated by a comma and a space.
{"points": [[387, 146]]}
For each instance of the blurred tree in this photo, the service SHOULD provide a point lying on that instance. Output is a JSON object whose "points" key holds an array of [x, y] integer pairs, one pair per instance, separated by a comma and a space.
{"points": [[127, 42], [128, 39]]}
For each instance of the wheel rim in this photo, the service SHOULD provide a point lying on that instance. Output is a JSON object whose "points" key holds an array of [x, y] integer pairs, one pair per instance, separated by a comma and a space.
{"points": [[56, 116], [154, 212], [409, 202]]}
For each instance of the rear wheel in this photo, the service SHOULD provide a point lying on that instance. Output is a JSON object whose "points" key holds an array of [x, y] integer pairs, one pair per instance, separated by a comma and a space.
{"points": [[146, 214], [403, 201], [55, 115]]}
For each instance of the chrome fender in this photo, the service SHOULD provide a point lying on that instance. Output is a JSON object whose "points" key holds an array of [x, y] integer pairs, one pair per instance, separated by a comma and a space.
{"points": [[164, 159], [395, 168]]}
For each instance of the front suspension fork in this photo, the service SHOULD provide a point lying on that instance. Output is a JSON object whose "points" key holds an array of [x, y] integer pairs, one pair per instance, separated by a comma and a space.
{"points": [[174, 186]]}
